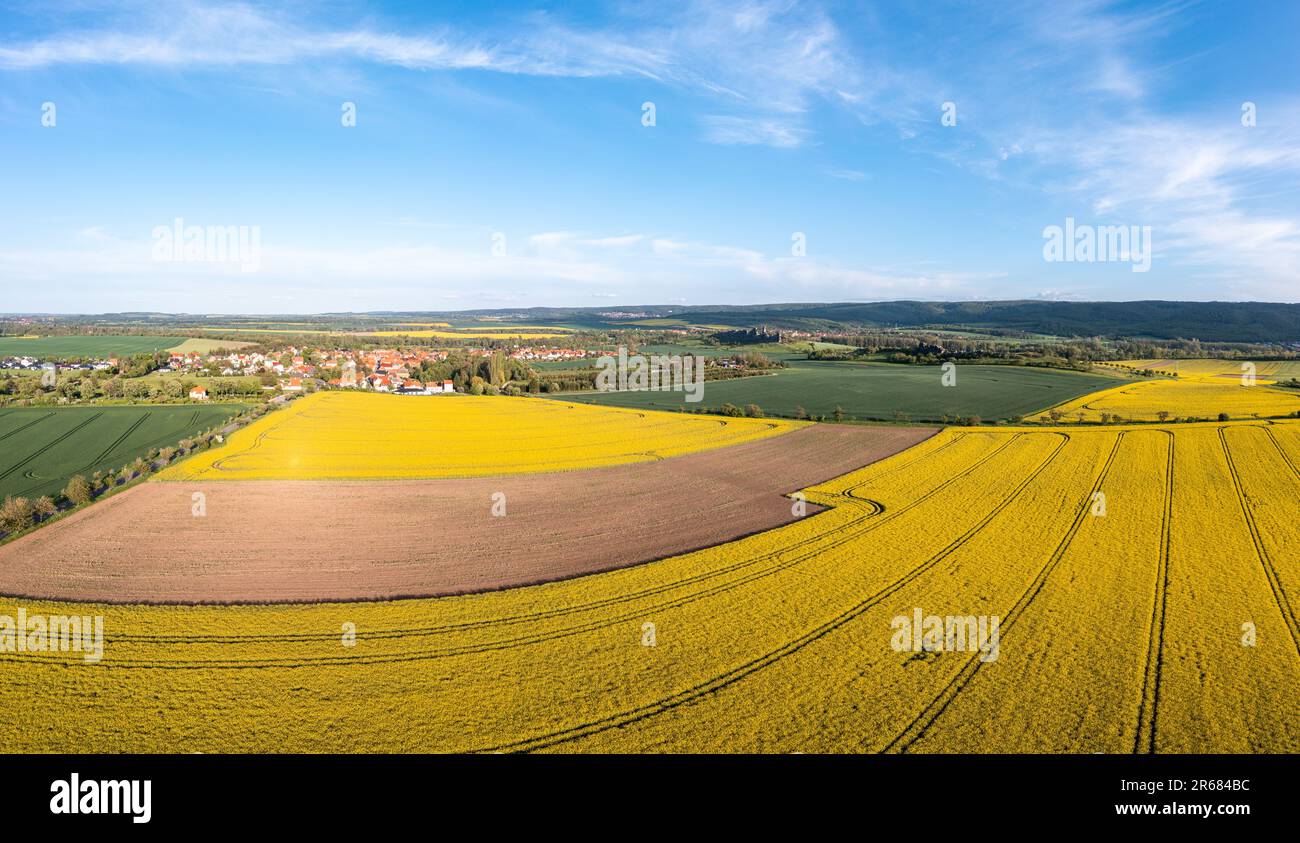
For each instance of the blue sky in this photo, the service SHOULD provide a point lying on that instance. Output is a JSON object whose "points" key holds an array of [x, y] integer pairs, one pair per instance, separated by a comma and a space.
{"points": [[522, 125]]}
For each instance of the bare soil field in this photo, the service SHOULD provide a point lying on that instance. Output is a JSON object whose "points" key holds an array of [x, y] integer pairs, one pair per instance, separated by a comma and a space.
{"points": [[307, 541]]}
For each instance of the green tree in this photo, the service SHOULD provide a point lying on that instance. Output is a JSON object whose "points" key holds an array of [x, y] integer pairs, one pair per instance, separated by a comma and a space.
{"points": [[78, 490], [497, 368], [16, 514], [135, 388], [44, 507]]}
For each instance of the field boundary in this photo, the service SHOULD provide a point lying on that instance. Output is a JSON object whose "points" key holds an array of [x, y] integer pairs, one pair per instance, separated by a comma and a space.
{"points": [[1261, 552], [1149, 709]]}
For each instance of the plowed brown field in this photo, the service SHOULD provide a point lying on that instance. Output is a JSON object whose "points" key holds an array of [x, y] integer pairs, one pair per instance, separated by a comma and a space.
{"points": [[272, 540]]}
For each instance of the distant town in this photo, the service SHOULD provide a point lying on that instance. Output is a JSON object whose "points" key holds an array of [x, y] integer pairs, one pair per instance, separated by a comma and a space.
{"points": [[293, 367]]}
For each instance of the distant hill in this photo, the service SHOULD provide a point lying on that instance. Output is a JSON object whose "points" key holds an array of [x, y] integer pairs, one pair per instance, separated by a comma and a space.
{"points": [[1210, 321], [1264, 322]]}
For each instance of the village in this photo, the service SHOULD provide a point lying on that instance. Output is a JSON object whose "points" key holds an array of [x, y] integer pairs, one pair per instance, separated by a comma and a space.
{"points": [[27, 363], [380, 370], [276, 372], [279, 372]]}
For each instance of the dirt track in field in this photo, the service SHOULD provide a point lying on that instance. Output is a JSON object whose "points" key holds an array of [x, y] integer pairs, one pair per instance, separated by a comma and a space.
{"points": [[307, 541]]}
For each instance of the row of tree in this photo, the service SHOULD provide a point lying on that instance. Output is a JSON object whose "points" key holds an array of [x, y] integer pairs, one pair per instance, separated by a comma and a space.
{"points": [[1076, 353], [93, 386]]}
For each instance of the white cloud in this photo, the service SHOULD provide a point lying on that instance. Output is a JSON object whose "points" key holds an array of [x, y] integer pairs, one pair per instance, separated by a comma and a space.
{"points": [[749, 131], [1080, 107], [615, 241], [769, 58], [546, 268], [232, 34], [1072, 106], [1202, 185]]}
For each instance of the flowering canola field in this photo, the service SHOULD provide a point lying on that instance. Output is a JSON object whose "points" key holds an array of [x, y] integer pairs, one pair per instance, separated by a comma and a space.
{"points": [[1216, 368], [521, 332], [1199, 398], [351, 435], [1145, 580]]}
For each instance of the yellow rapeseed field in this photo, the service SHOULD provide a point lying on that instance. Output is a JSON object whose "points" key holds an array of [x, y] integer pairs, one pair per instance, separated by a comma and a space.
{"points": [[1144, 581], [352, 435], [1200, 398], [1216, 368], [474, 334]]}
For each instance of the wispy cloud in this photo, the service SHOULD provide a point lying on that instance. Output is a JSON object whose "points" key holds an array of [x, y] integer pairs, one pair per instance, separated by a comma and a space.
{"points": [[770, 59], [1079, 108], [1063, 103], [544, 268], [220, 34], [768, 131]]}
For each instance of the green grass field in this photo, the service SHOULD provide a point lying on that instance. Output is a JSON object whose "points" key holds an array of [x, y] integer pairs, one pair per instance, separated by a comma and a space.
{"points": [[41, 448], [206, 346], [87, 346], [877, 390], [776, 352]]}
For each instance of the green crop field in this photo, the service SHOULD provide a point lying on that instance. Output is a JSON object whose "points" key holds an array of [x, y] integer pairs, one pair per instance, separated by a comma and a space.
{"points": [[878, 390], [84, 346], [42, 447], [207, 346], [772, 350]]}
